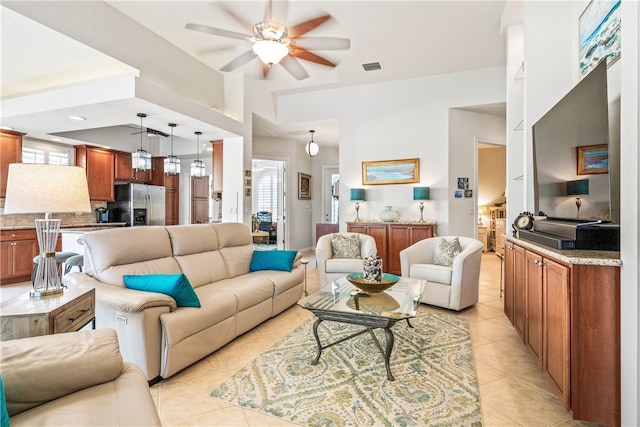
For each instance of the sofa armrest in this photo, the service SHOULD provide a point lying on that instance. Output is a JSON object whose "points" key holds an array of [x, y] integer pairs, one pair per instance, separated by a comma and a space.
{"points": [[119, 298], [39, 369]]}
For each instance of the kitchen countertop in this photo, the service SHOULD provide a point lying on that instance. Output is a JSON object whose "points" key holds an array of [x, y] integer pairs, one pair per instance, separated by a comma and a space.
{"points": [[69, 227]]}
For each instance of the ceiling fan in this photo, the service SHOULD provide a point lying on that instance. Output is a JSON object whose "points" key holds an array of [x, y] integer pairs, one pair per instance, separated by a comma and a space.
{"points": [[274, 42]]}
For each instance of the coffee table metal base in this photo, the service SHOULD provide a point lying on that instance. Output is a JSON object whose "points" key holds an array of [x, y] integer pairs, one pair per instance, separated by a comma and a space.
{"points": [[370, 323]]}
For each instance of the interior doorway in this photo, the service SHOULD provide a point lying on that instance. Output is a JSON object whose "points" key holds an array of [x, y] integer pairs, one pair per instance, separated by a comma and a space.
{"points": [[491, 201], [268, 201]]}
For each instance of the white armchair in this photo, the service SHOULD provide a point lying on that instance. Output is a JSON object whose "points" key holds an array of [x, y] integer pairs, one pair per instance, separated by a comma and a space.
{"points": [[454, 287], [330, 268]]}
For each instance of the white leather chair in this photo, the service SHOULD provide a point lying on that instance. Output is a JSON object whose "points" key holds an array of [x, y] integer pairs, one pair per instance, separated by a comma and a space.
{"points": [[454, 287], [330, 268]]}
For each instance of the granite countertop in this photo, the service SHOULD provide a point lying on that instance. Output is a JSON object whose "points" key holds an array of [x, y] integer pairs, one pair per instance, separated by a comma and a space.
{"points": [[68, 227], [573, 256]]}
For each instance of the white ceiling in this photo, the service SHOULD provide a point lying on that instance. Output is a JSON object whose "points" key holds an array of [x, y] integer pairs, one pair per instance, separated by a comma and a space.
{"points": [[409, 38]]}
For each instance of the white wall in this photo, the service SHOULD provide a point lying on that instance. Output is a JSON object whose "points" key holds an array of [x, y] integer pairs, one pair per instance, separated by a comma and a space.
{"points": [[399, 120]]}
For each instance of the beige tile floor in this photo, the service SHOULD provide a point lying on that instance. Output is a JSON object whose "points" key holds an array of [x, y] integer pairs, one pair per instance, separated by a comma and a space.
{"points": [[512, 389]]}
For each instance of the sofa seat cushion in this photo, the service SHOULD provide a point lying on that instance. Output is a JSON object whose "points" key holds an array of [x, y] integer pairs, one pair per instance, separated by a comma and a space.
{"points": [[79, 363], [249, 289], [126, 401], [344, 265], [216, 306], [282, 280], [431, 273]]}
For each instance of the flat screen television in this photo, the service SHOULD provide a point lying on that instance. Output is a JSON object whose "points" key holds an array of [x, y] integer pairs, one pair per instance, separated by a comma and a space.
{"points": [[571, 154]]}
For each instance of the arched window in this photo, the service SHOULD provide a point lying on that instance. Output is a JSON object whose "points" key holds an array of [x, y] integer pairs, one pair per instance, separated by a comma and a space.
{"points": [[267, 191]]}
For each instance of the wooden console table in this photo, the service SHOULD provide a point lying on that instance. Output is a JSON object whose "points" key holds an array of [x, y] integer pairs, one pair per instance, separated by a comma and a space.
{"points": [[23, 316], [392, 237]]}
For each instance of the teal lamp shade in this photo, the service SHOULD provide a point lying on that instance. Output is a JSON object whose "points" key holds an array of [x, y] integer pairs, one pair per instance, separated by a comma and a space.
{"points": [[357, 194], [577, 187], [421, 193]]}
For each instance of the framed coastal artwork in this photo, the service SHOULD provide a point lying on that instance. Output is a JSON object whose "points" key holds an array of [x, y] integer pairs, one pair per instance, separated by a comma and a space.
{"points": [[593, 159], [405, 171], [599, 34]]}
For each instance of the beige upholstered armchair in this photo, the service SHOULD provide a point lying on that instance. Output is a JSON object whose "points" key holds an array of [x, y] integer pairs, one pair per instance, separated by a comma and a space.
{"points": [[330, 266], [453, 287]]}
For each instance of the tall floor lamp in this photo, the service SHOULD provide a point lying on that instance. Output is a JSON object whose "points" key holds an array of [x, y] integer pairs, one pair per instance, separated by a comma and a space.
{"points": [[35, 188]]}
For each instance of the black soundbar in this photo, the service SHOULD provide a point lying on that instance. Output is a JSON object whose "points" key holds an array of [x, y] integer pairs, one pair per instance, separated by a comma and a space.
{"points": [[547, 239]]}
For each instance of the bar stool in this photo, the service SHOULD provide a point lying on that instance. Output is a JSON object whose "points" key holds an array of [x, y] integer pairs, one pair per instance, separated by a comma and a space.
{"points": [[74, 261], [61, 258]]}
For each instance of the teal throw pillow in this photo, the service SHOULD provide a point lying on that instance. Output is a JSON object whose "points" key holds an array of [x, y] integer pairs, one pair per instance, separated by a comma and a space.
{"points": [[272, 260], [446, 251], [176, 286], [4, 414]]}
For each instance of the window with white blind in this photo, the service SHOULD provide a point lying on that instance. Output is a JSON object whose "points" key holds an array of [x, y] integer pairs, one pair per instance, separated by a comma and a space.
{"points": [[47, 153], [267, 192]]}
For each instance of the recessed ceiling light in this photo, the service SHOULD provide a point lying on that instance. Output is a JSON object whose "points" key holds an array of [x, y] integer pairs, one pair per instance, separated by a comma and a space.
{"points": [[79, 118], [57, 139], [6, 127]]}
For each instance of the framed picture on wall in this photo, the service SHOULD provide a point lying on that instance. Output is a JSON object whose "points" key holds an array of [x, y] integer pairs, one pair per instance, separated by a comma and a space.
{"points": [[593, 159], [406, 171], [599, 34], [304, 186]]}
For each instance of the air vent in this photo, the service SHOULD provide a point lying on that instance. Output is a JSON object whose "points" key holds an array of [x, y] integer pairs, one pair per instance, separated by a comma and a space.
{"points": [[372, 66]]}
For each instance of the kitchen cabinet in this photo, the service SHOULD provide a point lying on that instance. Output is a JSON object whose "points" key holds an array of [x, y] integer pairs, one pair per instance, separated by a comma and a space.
{"points": [[100, 166], [124, 170], [392, 238], [17, 250], [199, 200], [172, 190], [10, 152], [571, 323], [217, 161]]}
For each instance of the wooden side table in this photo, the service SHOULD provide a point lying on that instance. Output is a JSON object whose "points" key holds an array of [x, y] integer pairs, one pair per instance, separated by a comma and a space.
{"points": [[24, 316]]}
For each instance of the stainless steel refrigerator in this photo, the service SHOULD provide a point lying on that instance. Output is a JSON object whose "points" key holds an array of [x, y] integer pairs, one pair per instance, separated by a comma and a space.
{"points": [[138, 204]]}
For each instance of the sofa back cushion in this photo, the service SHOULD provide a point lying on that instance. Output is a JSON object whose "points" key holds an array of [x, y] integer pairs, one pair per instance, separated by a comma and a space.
{"points": [[39, 369], [112, 253], [236, 247]]}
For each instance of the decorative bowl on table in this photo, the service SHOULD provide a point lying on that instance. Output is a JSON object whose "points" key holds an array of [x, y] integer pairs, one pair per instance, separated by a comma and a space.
{"points": [[387, 281]]}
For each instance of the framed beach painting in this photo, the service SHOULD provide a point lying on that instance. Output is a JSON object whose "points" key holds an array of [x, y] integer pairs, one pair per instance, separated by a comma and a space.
{"points": [[405, 171], [593, 159], [599, 34]]}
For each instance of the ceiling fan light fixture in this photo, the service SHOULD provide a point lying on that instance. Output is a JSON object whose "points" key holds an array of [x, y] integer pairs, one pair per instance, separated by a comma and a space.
{"points": [[270, 51], [312, 148]]}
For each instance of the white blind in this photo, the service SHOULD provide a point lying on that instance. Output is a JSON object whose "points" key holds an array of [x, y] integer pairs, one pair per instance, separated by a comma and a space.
{"points": [[46, 153], [268, 193]]}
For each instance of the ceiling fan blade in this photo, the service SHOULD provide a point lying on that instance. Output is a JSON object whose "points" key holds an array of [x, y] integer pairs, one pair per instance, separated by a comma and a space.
{"points": [[240, 20], [216, 31], [323, 43], [239, 61], [278, 10], [268, 13], [294, 67], [305, 27], [308, 56]]}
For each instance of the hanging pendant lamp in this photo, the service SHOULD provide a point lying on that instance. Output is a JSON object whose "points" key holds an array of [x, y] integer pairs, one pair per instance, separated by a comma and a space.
{"points": [[312, 148], [197, 167], [171, 162], [141, 160]]}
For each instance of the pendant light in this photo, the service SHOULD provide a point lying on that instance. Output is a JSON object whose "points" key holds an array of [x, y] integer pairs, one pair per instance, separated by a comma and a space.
{"points": [[197, 167], [171, 162], [141, 160], [312, 148]]}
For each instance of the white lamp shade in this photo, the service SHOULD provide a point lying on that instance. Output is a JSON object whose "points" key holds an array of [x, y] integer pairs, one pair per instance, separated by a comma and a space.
{"points": [[36, 188], [270, 51], [312, 149]]}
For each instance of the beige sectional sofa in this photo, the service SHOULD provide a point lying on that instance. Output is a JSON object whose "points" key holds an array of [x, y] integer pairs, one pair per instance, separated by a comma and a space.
{"points": [[74, 379], [154, 333]]}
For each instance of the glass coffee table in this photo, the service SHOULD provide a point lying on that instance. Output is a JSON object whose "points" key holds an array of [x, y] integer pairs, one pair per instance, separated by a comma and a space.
{"points": [[340, 301]]}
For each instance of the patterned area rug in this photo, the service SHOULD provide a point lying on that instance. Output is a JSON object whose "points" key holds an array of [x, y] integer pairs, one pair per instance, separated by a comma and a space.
{"points": [[435, 379]]}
